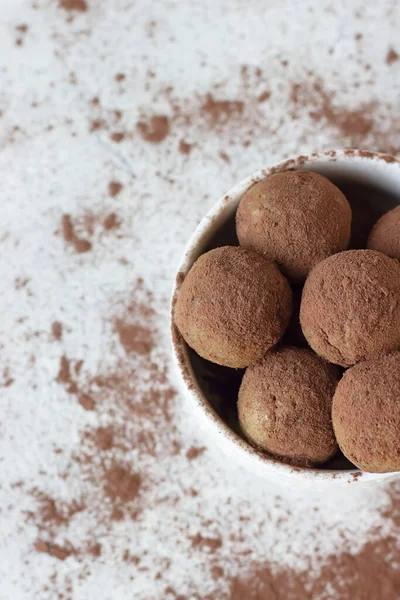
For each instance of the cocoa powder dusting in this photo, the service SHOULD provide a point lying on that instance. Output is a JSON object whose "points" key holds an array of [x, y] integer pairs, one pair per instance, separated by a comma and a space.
{"points": [[155, 130], [194, 452], [221, 110], [121, 485], [57, 330], [71, 5], [80, 245], [111, 222], [114, 188], [184, 147], [391, 57]]}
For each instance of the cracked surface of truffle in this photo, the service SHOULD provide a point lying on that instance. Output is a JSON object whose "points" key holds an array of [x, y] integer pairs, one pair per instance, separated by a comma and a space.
{"points": [[366, 414], [285, 403], [385, 235], [233, 306], [295, 218], [350, 307]]}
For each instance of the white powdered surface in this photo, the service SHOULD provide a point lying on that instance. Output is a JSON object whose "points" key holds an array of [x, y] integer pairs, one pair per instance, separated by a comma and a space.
{"points": [[185, 526]]}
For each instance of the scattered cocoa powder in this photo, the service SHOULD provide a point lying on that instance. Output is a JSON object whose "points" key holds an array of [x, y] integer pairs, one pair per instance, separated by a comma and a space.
{"points": [[78, 5], [391, 57], [53, 549], [57, 330], [114, 188], [97, 124], [118, 136], [104, 437], [155, 130], [194, 452], [264, 96], [111, 222], [120, 77], [120, 484], [221, 110], [80, 245], [184, 147], [134, 338], [367, 575], [86, 402], [206, 543]]}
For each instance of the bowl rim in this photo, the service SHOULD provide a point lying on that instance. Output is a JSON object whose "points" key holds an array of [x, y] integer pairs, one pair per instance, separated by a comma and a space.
{"points": [[264, 464]]}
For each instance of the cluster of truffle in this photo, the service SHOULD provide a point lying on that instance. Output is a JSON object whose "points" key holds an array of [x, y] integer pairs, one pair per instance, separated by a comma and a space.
{"points": [[290, 283]]}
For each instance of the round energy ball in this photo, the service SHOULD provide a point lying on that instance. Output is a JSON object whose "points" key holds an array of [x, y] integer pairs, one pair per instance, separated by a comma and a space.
{"points": [[366, 414], [385, 235], [350, 307], [233, 306], [285, 403], [295, 218]]}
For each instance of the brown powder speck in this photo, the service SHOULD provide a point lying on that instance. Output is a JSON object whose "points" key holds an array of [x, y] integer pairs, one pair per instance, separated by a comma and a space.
{"points": [[120, 77], [117, 137], [22, 28], [64, 373], [264, 96], [194, 452], [184, 147], [78, 5], [20, 283], [391, 57], [156, 130], [134, 338], [86, 402], [57, 330], [224, 156], [78, 366], [68, 230], [111, 222], [104, 438], [7, 380], [95, 549], [217, 572], [53, 549], [114, 188], [95, 101], [221, 110], [355, 125], [96, 125], [208, 543], [119, 483]]}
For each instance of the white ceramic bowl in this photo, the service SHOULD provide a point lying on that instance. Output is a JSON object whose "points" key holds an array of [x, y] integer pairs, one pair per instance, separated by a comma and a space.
{"points": [[380, 174]]}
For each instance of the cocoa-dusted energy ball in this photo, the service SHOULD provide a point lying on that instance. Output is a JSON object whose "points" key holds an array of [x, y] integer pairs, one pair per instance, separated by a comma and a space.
{"points": [[385, 235], [285, 404], [350, 307], [233, 306], [366, 414], [295, 218]]}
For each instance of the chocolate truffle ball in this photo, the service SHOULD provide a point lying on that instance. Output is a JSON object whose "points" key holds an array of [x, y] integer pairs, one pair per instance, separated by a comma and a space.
{"points": [[233, 306], [295, 218], [350, 307], [385, 235], [366, 414], [285, 404]]}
